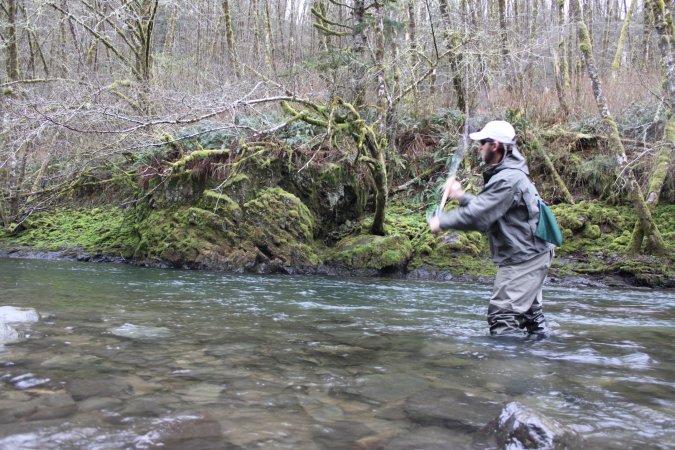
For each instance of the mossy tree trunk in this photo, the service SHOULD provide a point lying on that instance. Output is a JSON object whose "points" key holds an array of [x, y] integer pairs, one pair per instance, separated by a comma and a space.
{"points": [[618, 56], [455, 58], [614, 140], [663, 23], [647, 25], [229, 34], [358, 69], [11, 40], [560, 63], [535, 143]]}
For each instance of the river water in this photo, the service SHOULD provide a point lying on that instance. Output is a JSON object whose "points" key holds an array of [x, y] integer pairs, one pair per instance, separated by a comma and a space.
{"points": [[126, 357]]}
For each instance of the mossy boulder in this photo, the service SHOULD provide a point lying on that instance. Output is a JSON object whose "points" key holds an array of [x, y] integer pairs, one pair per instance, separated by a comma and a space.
{"points": [[273, 231], [332, 194], [281, 227], [373, 252], [185, 237]]}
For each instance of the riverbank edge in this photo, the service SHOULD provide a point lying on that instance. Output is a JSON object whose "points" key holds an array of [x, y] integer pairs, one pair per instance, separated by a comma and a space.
{"points": [[555, 278]]}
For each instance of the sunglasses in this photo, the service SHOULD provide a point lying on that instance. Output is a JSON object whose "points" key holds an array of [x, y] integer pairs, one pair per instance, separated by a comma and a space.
{"points": [[485, 141]]}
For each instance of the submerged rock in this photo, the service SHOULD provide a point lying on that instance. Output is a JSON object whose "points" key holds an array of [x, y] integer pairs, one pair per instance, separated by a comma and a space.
{"points": [[193, 431], [521, 427], [429, 438], [451, 408], [341, 434], [112, 387], [131, 331]]}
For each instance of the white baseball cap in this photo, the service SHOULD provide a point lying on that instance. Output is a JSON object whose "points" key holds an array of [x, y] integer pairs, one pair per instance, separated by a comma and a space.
{"points": [[498, 130]]}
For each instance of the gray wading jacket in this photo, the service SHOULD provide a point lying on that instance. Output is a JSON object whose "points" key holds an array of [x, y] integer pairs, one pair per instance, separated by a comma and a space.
{"points": [[506, 209]]}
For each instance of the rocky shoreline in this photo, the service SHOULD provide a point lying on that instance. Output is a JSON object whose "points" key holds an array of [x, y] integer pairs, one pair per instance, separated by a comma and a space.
{"points": [[419, 274]]}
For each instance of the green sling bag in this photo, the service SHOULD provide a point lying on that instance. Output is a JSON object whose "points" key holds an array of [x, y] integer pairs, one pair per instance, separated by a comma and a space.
{"points": [[547, 228]]}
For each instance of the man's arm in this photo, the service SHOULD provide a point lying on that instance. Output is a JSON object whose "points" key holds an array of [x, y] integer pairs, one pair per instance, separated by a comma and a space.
{"points": [[478, 213]]}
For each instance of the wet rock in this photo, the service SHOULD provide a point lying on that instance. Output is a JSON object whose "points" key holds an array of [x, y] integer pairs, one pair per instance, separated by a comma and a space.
{"points": [[54, 406], [193, 431], [429, 438], [50, 406], [84, 389], [142, 332], [98, 404], [521, 427], [204, 393], [384, 388], [11, 314], [427, 273], [7, 334], [72, 362], [320, 411], [13, 410], [340, 435], [26, 381], [143, 407], [451, 408]]}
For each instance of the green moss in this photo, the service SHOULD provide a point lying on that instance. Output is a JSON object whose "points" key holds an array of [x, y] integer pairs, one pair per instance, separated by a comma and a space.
{"points": [[185, 236], [592, 227], [281, 226], [220, 204], [373, 252], [106, 231]]}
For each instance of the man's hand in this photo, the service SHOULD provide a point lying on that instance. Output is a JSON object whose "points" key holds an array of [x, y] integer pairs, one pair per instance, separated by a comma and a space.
{"points": [[453, 189], [434, 224]]}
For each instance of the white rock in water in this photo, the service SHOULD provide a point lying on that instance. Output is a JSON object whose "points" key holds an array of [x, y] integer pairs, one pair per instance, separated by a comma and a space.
{"points": [[7, 334], [129, 330], [11, 314]]}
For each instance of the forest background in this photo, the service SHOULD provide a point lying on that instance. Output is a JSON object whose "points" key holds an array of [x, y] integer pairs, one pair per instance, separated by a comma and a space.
{"points": [[140, 105]]}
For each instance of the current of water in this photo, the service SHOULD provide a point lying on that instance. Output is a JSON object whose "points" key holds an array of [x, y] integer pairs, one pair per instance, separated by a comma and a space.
{"points": [[124, 357]]}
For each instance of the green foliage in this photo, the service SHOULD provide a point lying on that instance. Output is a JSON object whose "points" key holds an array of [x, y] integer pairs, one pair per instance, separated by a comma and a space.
{"points": [[594, 174], [591, 124], [297, 134], [641, 121]]}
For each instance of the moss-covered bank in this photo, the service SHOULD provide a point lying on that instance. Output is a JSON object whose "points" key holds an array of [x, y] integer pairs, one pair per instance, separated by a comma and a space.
{"points": [[274, 231]]}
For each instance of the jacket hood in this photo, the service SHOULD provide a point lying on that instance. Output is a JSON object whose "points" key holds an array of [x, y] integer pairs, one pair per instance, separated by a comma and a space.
{"points": [[513, 160]]}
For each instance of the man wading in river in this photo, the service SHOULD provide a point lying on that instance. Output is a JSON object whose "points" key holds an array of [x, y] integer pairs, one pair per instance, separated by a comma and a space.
{"points": [[507, 210]]}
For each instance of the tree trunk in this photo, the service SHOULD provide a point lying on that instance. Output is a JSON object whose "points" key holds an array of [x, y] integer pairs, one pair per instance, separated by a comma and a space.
{"points": [[358, 72], [269, 40], [229, 33], [11, 42], [451, 39], [663, 22], [561, 68], [412, 25], [535, 143], [614, 141], [170, 36], [502, 26], [618, 56], [647, 24]]}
